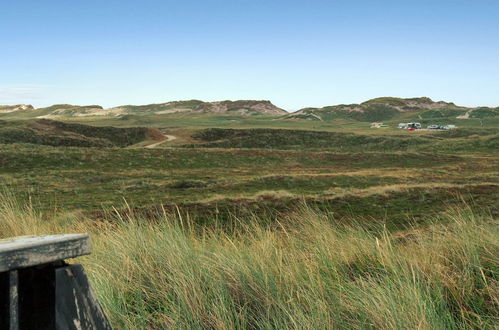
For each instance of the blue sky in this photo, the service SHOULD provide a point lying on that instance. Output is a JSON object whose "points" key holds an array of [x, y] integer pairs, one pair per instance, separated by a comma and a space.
{"points": [[294, 53]]}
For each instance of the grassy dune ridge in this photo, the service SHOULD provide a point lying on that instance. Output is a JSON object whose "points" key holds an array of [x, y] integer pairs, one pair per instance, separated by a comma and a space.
{"points": [[462, 140], [56, 133], [306, 270]]}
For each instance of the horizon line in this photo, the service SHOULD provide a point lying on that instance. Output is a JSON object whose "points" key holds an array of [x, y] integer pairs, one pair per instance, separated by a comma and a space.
{"points": [[238, 100]]}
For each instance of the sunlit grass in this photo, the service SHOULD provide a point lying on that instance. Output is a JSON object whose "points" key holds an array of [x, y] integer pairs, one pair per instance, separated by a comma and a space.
{"points": [[304, 270]]}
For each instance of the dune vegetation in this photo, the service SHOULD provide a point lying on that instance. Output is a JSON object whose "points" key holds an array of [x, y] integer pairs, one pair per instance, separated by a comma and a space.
{"points": [[56, 133], [302, 270], [226, 219]]}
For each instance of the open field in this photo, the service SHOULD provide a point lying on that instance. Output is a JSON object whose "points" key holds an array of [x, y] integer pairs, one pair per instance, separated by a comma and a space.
{"points": [[196, 121], [92, 178], [255, 223], [219, 171]]}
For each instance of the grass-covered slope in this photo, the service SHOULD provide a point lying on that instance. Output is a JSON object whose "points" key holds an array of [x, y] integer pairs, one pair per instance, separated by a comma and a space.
{"points": [[53, 111], [241, 107], [55, 133], [465, 140], [7, 109], [264, 114], [391, 108], [298, 139]]}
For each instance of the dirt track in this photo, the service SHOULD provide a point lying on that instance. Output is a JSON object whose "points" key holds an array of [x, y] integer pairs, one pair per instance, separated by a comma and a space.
{"points": [[168, 138]]}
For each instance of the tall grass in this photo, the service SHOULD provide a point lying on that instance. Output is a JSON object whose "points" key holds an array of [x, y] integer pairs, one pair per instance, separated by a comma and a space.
{"points": [[307, 271]]}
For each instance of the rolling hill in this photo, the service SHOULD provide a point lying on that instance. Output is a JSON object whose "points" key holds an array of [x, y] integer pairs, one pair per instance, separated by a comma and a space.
{"points": [[243, 108], [15, 108], [463, 140], [386, 108], [378, 109], [56, 133]]}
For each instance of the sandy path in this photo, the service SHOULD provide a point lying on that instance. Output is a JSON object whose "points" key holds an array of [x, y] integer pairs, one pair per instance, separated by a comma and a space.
{"points": [[168, 138]]}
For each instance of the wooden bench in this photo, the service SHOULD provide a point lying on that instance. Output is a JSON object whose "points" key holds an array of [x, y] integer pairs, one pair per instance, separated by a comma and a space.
{"points": [[39, 290]]}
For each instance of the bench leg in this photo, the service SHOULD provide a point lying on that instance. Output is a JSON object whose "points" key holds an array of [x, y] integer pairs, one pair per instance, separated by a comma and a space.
{"points": [[76, 305]]}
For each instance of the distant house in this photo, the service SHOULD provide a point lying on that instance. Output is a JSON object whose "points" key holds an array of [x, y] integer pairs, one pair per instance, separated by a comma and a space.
{"points": [[411, 126]]}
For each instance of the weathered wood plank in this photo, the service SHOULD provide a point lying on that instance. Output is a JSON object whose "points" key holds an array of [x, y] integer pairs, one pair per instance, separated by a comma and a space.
{"points": [[76, 305], [9, 300], [27, 251], [13, 300]]}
